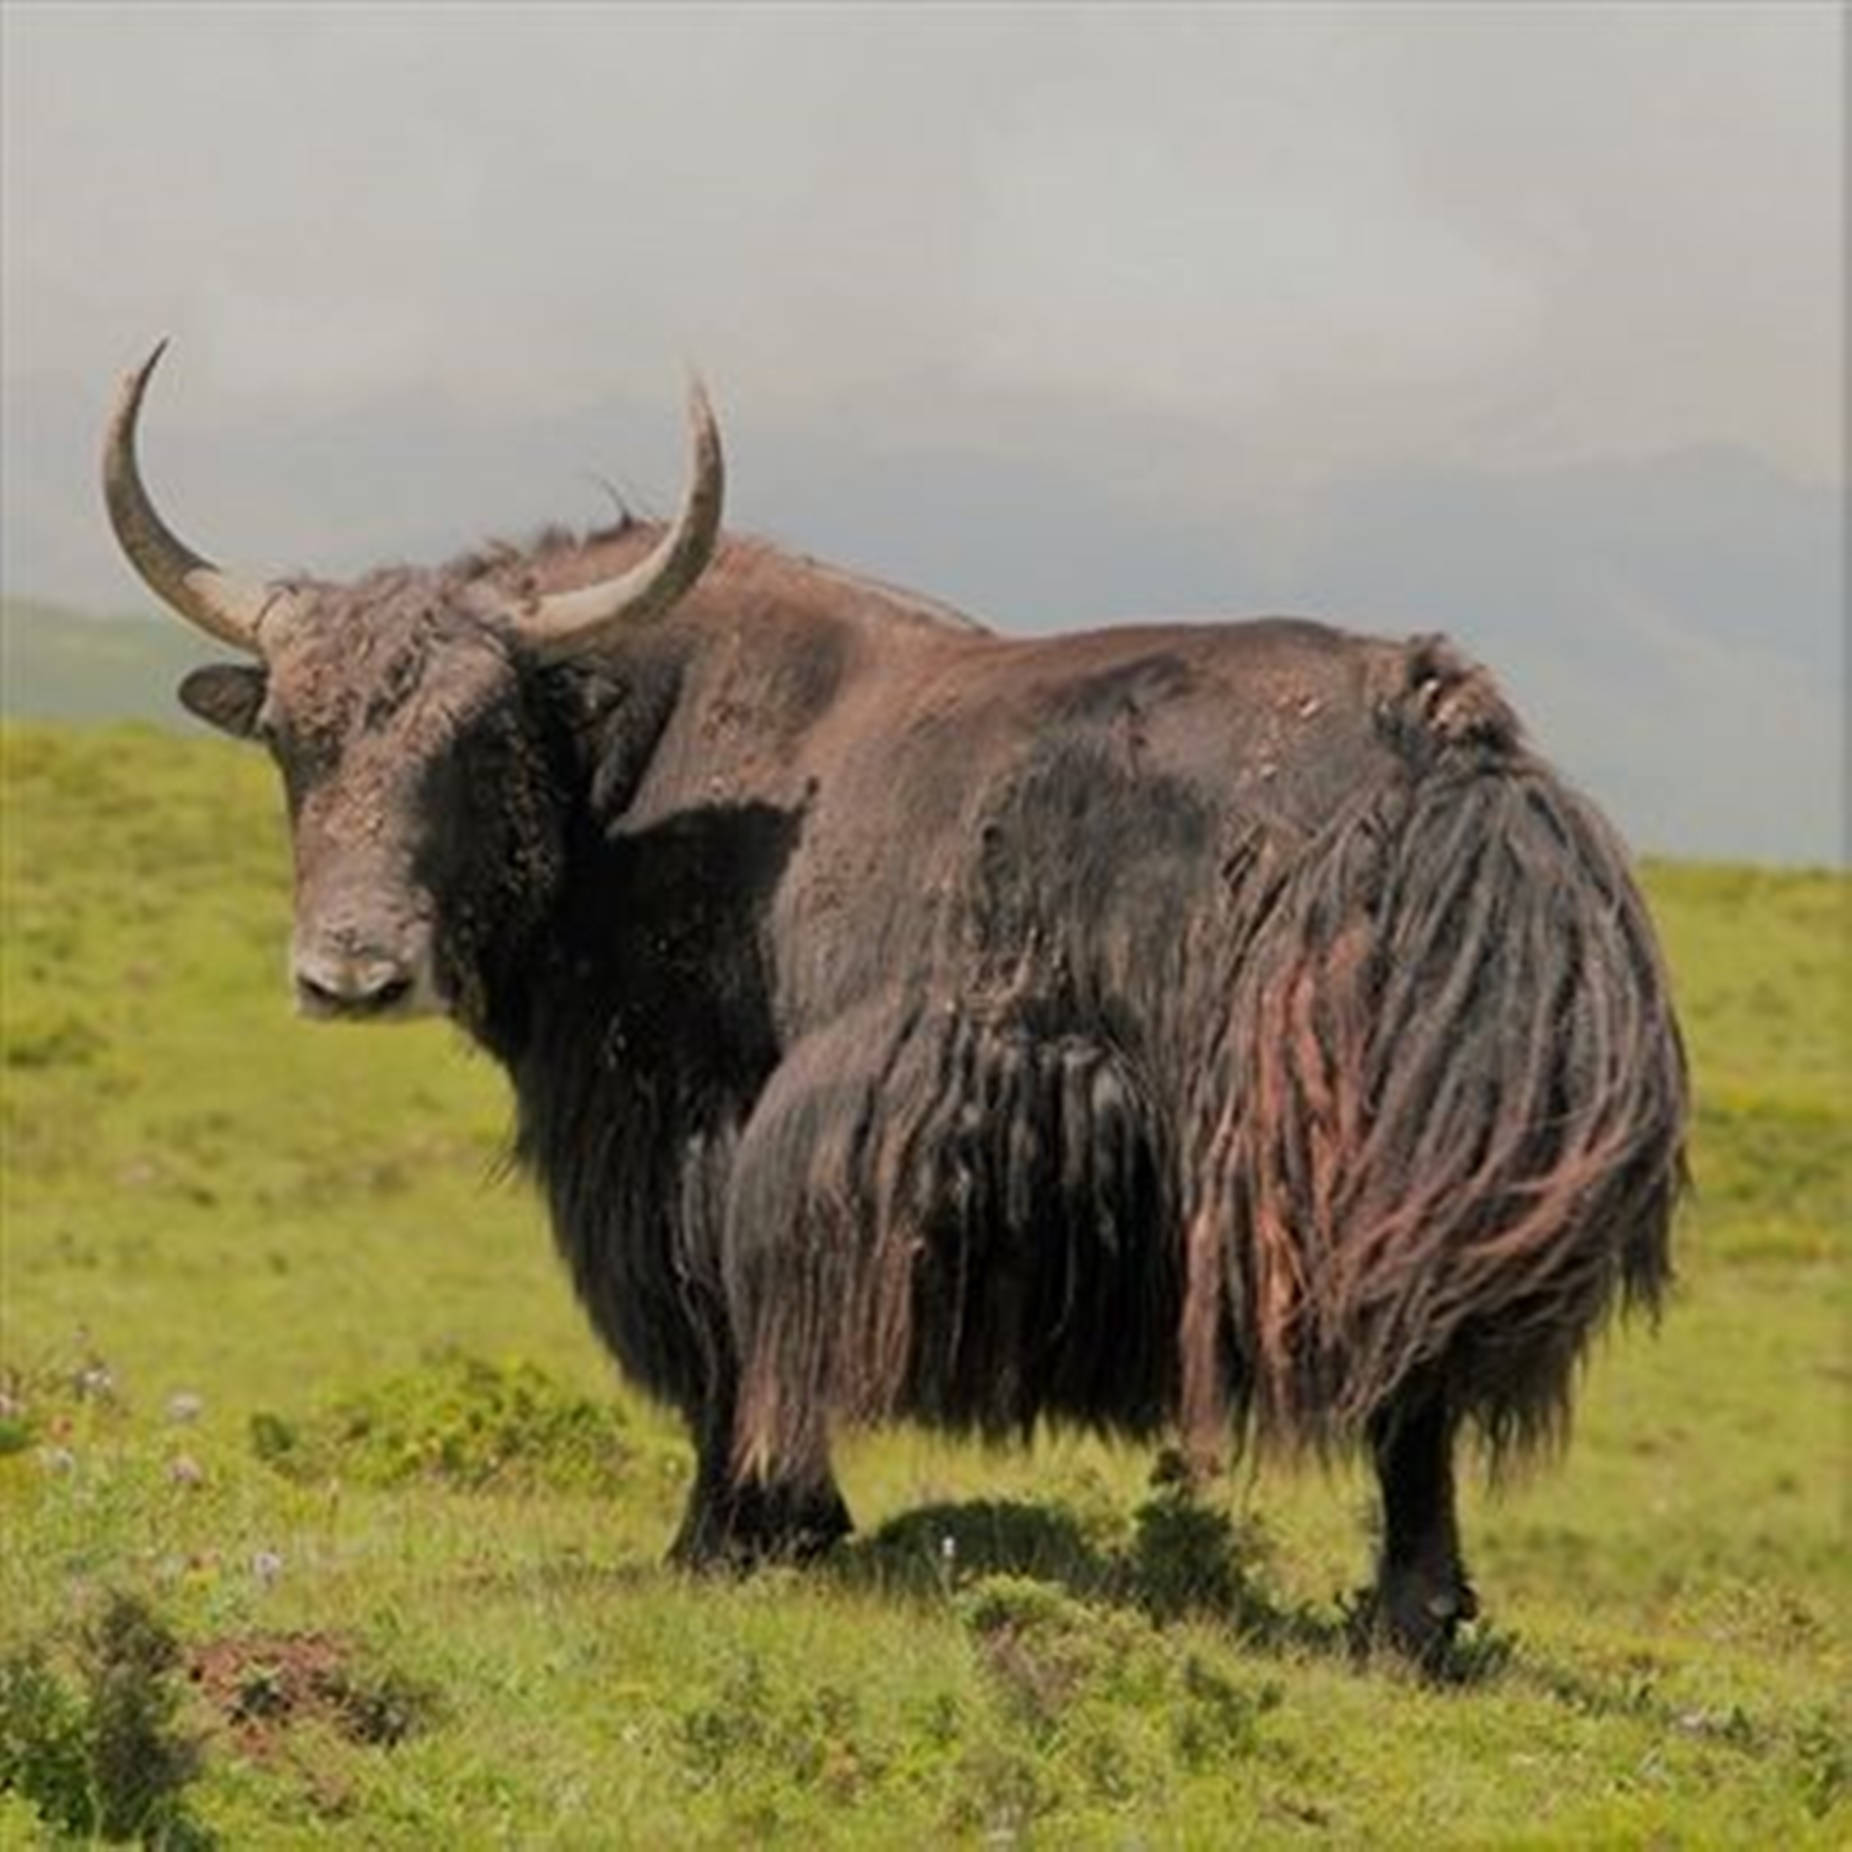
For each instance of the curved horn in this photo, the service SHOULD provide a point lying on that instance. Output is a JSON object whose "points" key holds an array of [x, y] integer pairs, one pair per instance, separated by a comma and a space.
{"points": [[226, 607], [564, 623]]}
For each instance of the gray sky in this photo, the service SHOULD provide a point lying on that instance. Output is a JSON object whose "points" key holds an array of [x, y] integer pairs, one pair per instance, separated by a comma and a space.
{"points": [[1520, 322]]}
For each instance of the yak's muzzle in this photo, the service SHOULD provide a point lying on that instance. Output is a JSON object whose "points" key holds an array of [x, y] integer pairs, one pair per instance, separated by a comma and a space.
{"points": [[361, 983]]}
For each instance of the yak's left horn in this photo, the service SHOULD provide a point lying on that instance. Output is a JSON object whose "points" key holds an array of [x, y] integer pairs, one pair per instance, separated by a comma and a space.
{"points": [[226, 607], [563, 623]]}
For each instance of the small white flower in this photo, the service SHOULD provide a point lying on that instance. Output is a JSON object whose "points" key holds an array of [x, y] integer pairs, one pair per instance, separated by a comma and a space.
{"points": [[57, 1459], [266, 1565], [184, 1406], [183, 1469]]}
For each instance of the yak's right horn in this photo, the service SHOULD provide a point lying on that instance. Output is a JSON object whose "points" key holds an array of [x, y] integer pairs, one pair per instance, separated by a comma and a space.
{"points": [[225, 607]]}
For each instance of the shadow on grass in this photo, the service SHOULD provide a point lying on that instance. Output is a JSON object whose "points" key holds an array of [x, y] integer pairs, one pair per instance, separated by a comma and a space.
{"points": [[1181, 1560], [1185, 1560]]}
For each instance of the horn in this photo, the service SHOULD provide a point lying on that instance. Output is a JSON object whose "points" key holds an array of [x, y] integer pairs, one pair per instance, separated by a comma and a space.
{"points": [[226, 607], [564, 623]]}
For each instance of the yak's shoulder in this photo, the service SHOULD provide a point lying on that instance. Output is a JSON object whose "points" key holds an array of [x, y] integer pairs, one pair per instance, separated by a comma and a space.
{"points": [[758, 582]]}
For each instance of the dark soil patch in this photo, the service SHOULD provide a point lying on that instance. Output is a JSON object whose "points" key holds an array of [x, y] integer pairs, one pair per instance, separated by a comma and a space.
{"points": [[259, 1684]]}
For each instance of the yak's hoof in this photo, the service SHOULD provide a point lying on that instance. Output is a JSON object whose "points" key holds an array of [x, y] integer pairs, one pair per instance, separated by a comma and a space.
{"points": [[1417, 1616], [752, 1525]]}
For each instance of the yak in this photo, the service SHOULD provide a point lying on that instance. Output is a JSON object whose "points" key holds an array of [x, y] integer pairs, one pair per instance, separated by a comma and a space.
{"points": [[1228, 1032]]}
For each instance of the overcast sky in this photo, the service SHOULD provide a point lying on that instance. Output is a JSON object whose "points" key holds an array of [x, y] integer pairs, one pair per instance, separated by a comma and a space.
{"points": [[1520, 322]]}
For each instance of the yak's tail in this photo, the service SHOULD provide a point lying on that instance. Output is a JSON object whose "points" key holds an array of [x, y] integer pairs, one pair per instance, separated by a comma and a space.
{"points": [[1451, 1135]]}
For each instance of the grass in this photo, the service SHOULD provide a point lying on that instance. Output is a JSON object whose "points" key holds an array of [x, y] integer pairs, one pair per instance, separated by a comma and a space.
{"points": [[289, 1361]]}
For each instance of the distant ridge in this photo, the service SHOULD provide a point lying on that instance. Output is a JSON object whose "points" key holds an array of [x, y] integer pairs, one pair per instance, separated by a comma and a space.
{"points": [[60, 664]]}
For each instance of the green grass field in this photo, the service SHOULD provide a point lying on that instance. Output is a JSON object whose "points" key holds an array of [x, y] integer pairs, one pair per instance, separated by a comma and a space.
{"points": [[290, 1364]]}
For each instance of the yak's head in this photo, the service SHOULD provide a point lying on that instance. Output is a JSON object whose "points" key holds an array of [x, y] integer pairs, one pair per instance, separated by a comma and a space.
{"points": [[401, 712]]}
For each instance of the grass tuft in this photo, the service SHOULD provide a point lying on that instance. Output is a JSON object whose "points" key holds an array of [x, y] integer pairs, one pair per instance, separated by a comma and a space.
{"points": [[89, 1732], [457, 1421]]}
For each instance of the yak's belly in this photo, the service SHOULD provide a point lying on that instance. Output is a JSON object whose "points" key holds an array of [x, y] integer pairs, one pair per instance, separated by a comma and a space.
{"points": [[1048, 1273], [964, 1219]]}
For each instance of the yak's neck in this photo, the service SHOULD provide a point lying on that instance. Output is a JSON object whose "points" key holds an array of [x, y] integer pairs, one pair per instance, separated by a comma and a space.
{"points": [[595, 726], [646, 1030], [646, 993]]}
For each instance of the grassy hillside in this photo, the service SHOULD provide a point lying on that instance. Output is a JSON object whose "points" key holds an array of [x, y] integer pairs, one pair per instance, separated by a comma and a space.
{"points": [[290, 1364]]}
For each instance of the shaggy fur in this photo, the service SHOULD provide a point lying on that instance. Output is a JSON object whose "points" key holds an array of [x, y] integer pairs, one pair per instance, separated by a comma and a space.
{"points": [[1440, 1136], [1231, 1028]]}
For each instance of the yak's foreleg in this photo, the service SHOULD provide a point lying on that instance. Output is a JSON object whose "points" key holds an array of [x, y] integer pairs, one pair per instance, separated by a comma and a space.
{"points": [[763, 1488], [738, 1520], [1421, 1593]]}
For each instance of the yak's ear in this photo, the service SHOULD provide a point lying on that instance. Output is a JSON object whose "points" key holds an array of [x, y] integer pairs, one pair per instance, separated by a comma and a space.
{"points": [[225, 695]]}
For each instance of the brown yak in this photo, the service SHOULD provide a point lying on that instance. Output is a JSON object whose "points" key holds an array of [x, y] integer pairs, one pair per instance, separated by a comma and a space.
{"points": [[1231, 1029]]}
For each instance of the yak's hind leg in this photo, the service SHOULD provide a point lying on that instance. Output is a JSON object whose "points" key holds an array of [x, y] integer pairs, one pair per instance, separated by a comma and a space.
{"points": [[1421, 1592], [735, 1521]]}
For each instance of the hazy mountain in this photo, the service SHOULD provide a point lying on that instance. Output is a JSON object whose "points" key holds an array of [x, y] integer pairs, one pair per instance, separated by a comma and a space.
{"points": [[57, 664]]}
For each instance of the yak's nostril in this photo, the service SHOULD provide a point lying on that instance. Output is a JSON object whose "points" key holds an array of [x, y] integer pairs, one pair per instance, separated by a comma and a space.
{"points": [[351, 987], [312, 990]]}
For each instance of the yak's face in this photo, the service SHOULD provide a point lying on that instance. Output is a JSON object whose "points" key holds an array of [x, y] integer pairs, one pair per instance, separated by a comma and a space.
{"points": [[405, 714], [417, 797]]}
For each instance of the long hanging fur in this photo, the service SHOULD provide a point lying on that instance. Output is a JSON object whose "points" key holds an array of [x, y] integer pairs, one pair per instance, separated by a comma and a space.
{"points": [[980, 1222], [1450, 1136]]}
